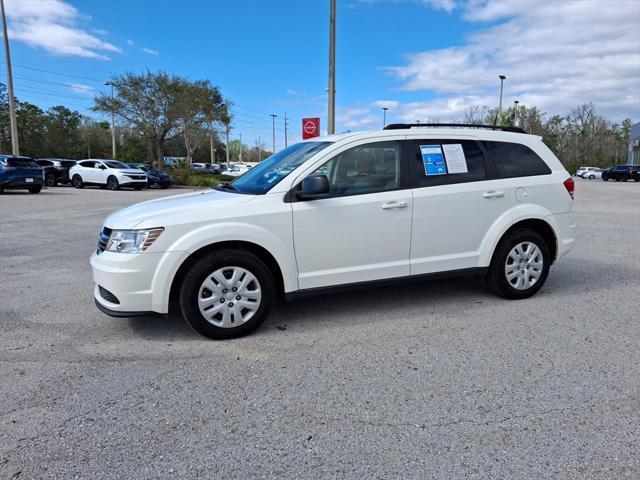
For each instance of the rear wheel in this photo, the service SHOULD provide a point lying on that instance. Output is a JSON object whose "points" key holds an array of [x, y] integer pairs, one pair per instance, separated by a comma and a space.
{"points": [[624, 178], [605, 178], [591, 177], [227, 294], [35, 189], [520, 265], [113, 183], [51, 180], [77, 181]]}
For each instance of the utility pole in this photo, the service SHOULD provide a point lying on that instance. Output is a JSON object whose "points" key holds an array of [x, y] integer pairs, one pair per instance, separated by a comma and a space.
{"points": [[331, 114], [259, 149], [113, 123], [515, 112], [285, 130], [502, 79], [15, 147], [226, 107], [273, 127], [212, 146], [384, 116], [240, 157]]}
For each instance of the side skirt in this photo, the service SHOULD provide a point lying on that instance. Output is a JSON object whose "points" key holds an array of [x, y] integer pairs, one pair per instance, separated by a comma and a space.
{"points": [[349, 287]]}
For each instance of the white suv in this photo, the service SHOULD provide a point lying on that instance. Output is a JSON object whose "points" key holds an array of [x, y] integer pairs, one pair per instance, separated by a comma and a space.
{"points": [[400, 203], [110, 174]]}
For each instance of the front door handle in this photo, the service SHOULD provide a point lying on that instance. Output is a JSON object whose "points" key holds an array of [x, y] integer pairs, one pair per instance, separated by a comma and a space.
{"points": [[389, 205], [492, 194]]}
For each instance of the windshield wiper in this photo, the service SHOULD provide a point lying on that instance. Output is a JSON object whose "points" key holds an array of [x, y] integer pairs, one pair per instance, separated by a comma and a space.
{"points": [[227, 186]]}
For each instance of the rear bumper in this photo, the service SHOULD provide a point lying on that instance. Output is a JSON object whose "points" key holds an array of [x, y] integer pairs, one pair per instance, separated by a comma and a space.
{"points": [[565, 229], [21, 183]]}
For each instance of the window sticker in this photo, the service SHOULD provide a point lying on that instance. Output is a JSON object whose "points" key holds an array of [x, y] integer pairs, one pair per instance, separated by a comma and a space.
{"points": [[433, 160], [454, 156]]}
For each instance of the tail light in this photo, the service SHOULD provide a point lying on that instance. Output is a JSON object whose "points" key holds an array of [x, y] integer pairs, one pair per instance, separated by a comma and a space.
{"points": [[570, 186]]}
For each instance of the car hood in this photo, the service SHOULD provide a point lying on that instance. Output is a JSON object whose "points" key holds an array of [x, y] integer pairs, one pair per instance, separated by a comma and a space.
{"points": [[175, 209]]}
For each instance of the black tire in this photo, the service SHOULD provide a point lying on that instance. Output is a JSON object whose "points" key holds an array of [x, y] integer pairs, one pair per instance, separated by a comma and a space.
{"points": [[591, 177], [35, 189], [77, 182], [50, 180], [167, 186], [190, 288], [139, 187], [497, 278], [624, 178], [637, 179], [113, 183], [605, 177]]}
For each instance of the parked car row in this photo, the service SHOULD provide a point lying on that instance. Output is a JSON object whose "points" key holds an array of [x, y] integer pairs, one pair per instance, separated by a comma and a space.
{"points": [[233, 170], [619, 173], [19, 172]]}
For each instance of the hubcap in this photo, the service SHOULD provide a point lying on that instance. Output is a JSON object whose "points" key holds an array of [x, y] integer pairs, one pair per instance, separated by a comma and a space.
{"points": [[229, 297], [523, 266]]}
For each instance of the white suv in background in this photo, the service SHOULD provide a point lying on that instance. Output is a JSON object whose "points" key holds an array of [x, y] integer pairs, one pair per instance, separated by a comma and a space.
{"points": [[110, 174], [405, 202]]}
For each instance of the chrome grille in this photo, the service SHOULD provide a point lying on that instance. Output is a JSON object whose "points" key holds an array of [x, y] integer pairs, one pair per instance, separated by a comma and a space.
{"points": [[103, 238]]}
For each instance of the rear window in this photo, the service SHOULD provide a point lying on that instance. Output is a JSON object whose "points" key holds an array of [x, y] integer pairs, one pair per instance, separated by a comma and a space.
{"points": [[515, 160], [20, 162]]}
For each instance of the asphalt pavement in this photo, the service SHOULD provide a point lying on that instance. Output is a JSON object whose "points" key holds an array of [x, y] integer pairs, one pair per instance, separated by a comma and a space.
{"points": [[429, 380]]}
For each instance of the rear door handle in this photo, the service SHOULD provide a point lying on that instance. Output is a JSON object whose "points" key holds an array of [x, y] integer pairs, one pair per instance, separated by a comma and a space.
{"points": [[492, 194], [389, 205]]}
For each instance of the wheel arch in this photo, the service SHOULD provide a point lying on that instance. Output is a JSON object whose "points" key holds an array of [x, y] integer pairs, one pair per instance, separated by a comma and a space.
{"points": [[259, 251], [538, 225]]}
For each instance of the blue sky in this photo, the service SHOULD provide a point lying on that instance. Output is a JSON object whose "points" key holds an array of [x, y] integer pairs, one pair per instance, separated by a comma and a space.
{"points": [[425, 59]]}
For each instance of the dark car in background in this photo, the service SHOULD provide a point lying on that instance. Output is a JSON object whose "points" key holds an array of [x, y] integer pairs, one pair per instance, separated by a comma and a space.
{"points": [[155, 177], [622, 173], [20, 173], [56, 170]]}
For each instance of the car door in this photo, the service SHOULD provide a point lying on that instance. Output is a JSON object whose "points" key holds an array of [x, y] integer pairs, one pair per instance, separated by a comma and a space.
{"points": [[456, 199], [100, 173], [361, 230], [85, 170]]}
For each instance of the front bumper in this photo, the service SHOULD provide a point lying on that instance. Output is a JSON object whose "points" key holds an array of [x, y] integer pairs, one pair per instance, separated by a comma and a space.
{"points": [[137, 281]]}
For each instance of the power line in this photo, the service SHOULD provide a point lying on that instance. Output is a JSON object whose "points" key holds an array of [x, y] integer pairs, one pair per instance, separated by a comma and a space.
{"points": [[36, 80], [54, 73]]}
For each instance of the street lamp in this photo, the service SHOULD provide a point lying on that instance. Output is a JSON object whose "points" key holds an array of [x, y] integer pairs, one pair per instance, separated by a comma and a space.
{"points": [[273, 126], [113, 123], [384, 116], [515, 112]]}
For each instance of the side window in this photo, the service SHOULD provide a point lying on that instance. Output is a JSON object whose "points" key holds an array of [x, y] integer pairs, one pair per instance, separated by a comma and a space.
{"points": [[44, 163], [374, 167], [515, 160], [87, 164], [443, 162]]}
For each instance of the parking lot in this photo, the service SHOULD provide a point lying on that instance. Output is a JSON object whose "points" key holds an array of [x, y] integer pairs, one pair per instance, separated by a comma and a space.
{"points": [[430, 380]]}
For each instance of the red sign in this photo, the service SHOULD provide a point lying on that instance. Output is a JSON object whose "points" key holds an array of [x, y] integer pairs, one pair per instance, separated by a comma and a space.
{"points": [[310, 128]]}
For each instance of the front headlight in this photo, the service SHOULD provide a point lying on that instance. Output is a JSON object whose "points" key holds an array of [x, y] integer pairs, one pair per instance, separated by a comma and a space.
{"points": [[132, 241]]}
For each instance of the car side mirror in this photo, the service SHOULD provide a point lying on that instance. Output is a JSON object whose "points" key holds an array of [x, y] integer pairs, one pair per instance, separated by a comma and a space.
{"points": [[313, 187]]}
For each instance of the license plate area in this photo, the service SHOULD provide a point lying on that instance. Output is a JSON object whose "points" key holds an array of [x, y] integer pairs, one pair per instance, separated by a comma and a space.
{"points": [[29, 180]]}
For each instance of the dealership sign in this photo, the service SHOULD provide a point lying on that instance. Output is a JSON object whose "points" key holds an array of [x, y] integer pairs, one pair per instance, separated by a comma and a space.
{"points": [[310, 128]]}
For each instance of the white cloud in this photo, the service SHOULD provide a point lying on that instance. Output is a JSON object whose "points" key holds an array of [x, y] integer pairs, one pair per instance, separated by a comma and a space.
{"points": [[53, 26], [357, 118], [556, 55], [390, 104], [447, 5], [291, 91], [155, 53], [81, 88], [130, 43]]}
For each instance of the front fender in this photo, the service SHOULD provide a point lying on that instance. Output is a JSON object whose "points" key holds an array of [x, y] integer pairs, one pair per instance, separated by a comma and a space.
{"points": [[281, 248]]}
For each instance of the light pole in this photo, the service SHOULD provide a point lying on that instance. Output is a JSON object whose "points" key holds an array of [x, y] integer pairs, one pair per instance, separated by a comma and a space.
{"points": [[331, 114], [515, 112], [384, 116], [502, 79], [273, 127], [15, 147], [113, 123]]}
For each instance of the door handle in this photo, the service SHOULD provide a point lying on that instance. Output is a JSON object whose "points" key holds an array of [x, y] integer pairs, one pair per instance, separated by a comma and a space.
{"points": [[492, 194], [389, 205]]}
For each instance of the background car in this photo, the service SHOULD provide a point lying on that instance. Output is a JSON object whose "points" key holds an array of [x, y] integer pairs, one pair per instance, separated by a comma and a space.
{"points": [[56, 170], [207, 168], [155, 177], [236, 170], [622, 173], [582, 170], [20, 173], [592, 174], [110, 174]]}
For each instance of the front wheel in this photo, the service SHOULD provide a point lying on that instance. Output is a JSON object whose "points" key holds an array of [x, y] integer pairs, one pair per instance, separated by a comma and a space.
{"points": [[35, 189], [227, 294], [139, 187], [113, 183], [591, 177], [520, 265], [77, 181]]}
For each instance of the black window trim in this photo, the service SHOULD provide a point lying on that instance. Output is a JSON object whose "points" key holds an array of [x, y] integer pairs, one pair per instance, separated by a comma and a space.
{"points": [[497, 170]]}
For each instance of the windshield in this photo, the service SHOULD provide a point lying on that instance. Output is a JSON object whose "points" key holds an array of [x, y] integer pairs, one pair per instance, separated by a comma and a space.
{"points": [[268, 173], [116, 164]]}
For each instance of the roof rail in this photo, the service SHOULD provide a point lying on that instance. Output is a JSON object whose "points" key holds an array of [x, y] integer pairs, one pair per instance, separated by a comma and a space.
{"points": [[400, 126]]}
